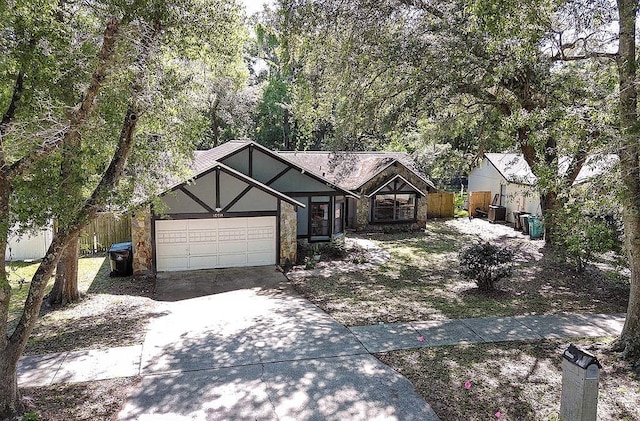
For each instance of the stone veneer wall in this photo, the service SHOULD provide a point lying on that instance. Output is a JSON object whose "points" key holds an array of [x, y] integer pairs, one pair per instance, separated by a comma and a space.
{"points": [[364, 203], [288, 234], [141, 240]]}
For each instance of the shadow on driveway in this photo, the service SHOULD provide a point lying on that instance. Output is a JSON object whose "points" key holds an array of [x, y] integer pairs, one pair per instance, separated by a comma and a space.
{"points": [[176, 286]]}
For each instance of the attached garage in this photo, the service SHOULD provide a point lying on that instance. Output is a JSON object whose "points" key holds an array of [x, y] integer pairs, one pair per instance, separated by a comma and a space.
{"points": [[220, 219], [187, 244]]}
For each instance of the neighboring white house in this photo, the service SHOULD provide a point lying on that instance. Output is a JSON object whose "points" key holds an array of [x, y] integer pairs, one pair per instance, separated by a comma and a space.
{"points": [[509, 176], [29, 246]]}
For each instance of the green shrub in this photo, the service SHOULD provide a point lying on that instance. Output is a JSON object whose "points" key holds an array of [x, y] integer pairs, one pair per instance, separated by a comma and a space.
{"points": [[486, 264], [579, 237], [335, 249]]}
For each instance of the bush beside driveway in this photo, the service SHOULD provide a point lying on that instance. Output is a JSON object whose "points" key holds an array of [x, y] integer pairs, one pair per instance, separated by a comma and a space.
{"points": [[421, 281], [518, 380]]}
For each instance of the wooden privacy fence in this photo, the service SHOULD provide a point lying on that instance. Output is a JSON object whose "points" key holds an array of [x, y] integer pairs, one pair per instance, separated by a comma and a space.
{"points": [[479, 200], [441, 205], [103, 231]]}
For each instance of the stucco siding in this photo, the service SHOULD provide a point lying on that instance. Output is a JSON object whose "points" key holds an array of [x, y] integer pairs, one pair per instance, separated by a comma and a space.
{"points": [[255, 200], [265, 167], [239, 161], [178, 202], [204, 188]]}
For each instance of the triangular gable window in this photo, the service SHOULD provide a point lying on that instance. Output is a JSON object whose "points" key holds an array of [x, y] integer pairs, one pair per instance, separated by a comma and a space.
{"points": [[394, 201]]}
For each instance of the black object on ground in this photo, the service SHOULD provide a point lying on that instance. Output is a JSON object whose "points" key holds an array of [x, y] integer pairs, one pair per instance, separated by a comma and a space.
{"points": [[121, 259]]}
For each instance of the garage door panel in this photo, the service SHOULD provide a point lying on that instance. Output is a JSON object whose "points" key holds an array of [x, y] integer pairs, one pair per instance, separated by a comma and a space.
{"points": [[173, 263], [172, 237], [215, 243], [260, 259], [172, 225], [203, 224], [232, 260], [262, 245], [232, 223], [203, 262], [232, 234], [202, 236], [203, 249], [260, 221], [233, 247], [172, 250]]}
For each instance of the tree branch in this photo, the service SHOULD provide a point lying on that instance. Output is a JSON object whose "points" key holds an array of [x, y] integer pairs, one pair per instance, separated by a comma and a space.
{"points": [[81, 113], [18, 88], [98, 198]]}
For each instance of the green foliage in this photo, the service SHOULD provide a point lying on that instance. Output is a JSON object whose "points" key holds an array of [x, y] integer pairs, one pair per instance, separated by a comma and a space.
{"points": [[30, 416], [582, 235], [335, 249], [486, 264]]}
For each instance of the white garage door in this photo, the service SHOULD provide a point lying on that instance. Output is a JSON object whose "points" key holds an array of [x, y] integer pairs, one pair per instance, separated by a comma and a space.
{"points": [[186, 244]]}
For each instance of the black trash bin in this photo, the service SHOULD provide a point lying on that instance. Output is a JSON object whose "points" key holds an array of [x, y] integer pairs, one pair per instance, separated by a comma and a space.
{"points": [[121, 259], [497, 213], [516, 220]]}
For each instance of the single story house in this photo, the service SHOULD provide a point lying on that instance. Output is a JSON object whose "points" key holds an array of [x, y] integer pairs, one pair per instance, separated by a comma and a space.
{"points": [[245, 205], [391, 189], [509, 176]]}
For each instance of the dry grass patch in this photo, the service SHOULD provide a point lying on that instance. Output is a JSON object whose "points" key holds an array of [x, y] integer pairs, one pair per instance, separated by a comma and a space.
{"points": [[98, 400], [421, 280], [521, 380], [112, 312]]}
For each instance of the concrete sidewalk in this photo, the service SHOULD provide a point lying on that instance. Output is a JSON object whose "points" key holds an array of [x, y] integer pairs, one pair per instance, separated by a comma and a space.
{"points": [[394, 336], [100, 364]]}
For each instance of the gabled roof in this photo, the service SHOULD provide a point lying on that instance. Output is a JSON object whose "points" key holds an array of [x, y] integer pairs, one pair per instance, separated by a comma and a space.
{"points": [[391, 180], [204, 161], [217, 165], [352, 170], [514, 168]]}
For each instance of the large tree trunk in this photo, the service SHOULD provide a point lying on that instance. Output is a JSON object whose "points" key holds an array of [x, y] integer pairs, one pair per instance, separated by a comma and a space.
{"points": [[630, 171], [549, 206], [12, 346], [9, 395], [10, 402], [65, 288]]}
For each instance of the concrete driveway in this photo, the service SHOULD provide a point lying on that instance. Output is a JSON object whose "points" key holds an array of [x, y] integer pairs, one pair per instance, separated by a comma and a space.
{"points": [[259, 352]]}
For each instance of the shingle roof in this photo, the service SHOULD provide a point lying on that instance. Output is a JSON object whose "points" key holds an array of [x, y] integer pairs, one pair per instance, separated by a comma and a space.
{"points": [[350, 170], [202, 160], [515, 169]]}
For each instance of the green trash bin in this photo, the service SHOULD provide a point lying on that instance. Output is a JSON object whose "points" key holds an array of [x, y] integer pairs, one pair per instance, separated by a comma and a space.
{"points": [[536, 227]]}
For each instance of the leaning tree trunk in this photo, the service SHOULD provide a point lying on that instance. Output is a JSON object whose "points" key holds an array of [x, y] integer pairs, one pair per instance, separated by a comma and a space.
{"points": [[630, 171], [65, 288], [12, 344], [10, 402], [9, 395]]}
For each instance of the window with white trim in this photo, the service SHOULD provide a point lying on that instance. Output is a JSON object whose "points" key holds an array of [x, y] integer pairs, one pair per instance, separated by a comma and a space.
{"points": [[394, 207]]}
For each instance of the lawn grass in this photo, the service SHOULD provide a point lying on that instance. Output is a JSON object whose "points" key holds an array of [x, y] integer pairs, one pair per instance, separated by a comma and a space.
{"points": [[421, 282], [90, 270], [521, 380], [112, 311]]}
